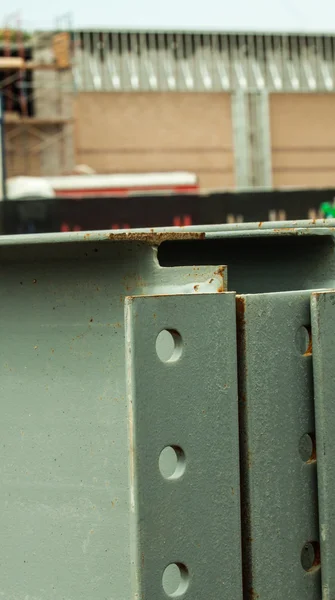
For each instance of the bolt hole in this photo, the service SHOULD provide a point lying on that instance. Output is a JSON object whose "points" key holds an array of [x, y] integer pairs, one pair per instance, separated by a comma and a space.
{"points": [[169, 345], [175, 580], [310, 556], [303, 340], [307, 448], [172, 462]]}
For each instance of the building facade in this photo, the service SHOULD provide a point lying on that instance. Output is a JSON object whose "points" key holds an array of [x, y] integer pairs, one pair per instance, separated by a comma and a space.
{"points": [[241, 111]]}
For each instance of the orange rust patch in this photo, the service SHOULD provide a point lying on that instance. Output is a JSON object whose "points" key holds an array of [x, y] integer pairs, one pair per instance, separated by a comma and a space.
{"points": [[196, 287], [310, 342], [156, 238], [220, 271], [241, 343], [312, 458], [240, 310], [287, 230]]}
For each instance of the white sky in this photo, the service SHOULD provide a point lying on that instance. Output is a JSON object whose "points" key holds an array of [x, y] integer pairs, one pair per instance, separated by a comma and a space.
{"points": [[211, 15]]}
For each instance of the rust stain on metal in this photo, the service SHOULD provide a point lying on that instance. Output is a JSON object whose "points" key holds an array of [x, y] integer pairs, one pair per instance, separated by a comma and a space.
{"points": [[246, 456], [317, 557], [241, 343], [156, 238], [260, 224], [240, 311], [196, 287], [310, 342], [290, 230], [312, 458], [220, 272]]}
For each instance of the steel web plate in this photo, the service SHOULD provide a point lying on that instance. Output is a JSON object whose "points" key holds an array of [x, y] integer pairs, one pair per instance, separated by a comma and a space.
{"points": [[191, 519], [279, 496]]}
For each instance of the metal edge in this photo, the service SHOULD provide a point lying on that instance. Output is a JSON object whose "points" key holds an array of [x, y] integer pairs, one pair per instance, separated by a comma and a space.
{"points": [[155, 236]]}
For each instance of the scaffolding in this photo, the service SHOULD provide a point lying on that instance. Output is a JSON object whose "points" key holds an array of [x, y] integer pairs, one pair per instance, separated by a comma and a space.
{"points": [[36, 84]]}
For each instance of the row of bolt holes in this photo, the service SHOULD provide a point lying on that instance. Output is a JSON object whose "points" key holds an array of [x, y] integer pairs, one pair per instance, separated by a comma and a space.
{"points": [[169, 347], [310, 554], [169, 344], [172, 461]]}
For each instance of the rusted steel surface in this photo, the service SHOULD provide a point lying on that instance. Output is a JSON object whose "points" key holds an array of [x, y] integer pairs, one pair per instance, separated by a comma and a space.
{"points": [[192, 518], [323, 330], [279, 492], [157, 235], [89, 404]]}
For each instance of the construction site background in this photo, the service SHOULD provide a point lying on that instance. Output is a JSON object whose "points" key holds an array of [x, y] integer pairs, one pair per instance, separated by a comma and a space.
{"points": [[241, 111]]}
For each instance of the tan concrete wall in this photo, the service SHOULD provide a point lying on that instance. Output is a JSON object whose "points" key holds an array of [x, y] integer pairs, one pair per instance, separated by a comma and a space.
{"points": [[138, 132], [22, 156], [303, 139], [28, 154]]}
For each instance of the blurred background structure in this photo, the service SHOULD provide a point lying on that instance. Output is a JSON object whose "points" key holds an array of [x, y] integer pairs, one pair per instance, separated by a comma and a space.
{"points": [[239, 110], [37, 89], [242, 111]]}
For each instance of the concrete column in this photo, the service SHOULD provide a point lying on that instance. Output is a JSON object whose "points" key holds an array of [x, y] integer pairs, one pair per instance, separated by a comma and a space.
{"points": [[241, 139]]}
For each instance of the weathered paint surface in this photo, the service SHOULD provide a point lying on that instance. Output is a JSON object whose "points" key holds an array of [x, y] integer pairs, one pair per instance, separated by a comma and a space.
{"points": [[189, 403], [323, 331], [69, 514], [279, 492]]}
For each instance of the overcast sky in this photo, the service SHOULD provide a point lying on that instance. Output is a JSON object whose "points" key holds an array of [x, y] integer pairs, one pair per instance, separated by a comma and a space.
{"points": [[219, 15]]}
